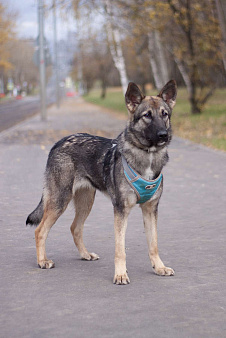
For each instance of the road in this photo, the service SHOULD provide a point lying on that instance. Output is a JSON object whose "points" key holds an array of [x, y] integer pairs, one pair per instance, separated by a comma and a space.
{"points": [[15, 111], [78, 298]]}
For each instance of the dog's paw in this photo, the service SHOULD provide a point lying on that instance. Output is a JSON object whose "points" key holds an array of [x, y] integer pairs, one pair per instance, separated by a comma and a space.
{"points": [[89, 256], [46, 264], [164, 271], [121, 279]]}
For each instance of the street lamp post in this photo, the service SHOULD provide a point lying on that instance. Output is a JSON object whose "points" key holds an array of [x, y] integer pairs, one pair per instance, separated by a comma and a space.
{"points": [[56, 55], [42, 72]]}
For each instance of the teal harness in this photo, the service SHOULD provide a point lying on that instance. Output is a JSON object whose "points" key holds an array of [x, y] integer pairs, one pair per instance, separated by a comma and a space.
{"points": [[144, 189]]}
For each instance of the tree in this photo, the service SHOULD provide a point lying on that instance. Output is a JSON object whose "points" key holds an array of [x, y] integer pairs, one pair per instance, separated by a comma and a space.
{"points": [[181, 38], [221, 13], [114, 39], [95, 60], [190, 32], [105, 9], [157, 59], [195, 46], [6, 35], [23, 70], [136, 16]]}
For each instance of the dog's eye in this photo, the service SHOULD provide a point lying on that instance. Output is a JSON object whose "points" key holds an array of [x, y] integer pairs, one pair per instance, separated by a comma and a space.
{"points": [[148, 115], [164, 113]]}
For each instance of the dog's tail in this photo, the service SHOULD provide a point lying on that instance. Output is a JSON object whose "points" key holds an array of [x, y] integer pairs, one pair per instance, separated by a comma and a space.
{"points": [[35, 217]]}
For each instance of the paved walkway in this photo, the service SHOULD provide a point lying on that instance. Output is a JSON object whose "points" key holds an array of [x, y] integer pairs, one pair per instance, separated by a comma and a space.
{"points": [[77, 298]]}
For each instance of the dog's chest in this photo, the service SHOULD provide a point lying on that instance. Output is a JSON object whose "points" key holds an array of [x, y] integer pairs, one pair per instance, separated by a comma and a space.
{"points": [[149, 173], [154, 165]]}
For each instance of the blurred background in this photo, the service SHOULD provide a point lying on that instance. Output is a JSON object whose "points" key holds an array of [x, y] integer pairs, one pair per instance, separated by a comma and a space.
{"points": [[94, 48]]}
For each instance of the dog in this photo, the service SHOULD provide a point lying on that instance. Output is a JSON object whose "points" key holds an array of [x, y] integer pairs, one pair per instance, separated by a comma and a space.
{"points": [[127, 169]]}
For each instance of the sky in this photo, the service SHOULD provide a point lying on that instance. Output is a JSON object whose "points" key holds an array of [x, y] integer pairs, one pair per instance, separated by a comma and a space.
{"points": [[27, 20]]}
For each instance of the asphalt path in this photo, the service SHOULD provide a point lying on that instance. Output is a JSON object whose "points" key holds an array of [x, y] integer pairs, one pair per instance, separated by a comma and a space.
{"points": [[15, 111], [78, 298]]}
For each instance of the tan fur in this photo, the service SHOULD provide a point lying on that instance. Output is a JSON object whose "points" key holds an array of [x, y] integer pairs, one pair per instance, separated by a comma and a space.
{"points": [[83, 201], [150, 225], [154, 101], [41, 233], [120, 226]]}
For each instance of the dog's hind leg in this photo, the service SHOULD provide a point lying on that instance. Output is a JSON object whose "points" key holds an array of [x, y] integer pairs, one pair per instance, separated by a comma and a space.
{"points": [[52, 211], [83, 200], [41, 233]]}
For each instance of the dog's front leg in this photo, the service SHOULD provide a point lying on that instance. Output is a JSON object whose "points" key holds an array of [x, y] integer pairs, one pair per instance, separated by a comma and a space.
{"points": [[150, 215], [120, 225]]}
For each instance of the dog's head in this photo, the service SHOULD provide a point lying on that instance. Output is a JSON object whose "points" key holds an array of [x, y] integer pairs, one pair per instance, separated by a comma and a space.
{"points": [[150, 115]]}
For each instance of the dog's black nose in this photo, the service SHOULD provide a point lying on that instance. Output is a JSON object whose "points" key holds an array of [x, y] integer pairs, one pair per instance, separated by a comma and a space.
{"points": [[162, 135]]}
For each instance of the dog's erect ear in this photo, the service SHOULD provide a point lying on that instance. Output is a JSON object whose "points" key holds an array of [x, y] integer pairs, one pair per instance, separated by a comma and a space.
{"points": [[169, 93], [133, 97]]}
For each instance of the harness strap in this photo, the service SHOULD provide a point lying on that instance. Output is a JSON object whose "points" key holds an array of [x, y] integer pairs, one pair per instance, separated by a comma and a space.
{"points": [[129, 171], [144, 189]]}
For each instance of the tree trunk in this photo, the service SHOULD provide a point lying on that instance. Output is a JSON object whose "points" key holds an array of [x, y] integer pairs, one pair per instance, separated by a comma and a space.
{"points": [[195, 107], [190, 73], [103, 84], [103, 91], [222, 23], [154, 66], [162, 59], [116, 47], [184, 74], [81, 86]]}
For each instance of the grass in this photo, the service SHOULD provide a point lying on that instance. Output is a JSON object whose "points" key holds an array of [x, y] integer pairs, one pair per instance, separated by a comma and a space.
{"points": [[113, 100], [208, 128]]}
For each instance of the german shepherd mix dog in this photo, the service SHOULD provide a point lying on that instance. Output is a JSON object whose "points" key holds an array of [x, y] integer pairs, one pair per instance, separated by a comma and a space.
{"points": [[127, 169]]}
